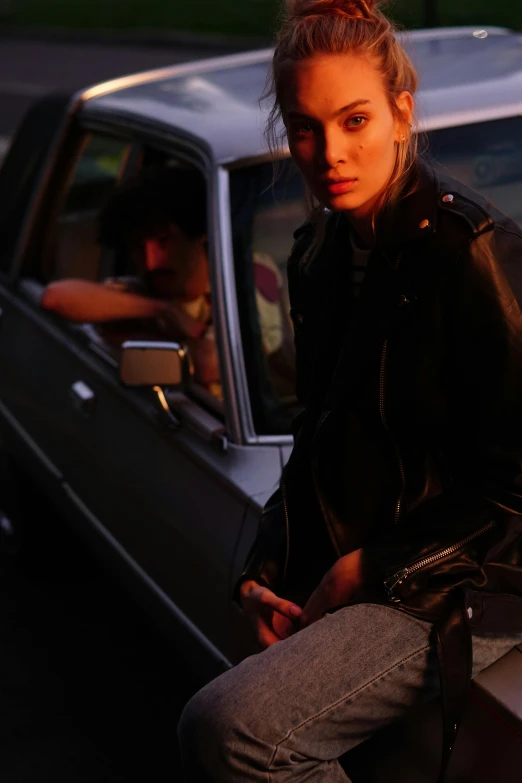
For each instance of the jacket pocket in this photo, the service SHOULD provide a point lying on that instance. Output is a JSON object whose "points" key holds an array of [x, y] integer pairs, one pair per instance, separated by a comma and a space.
{"points": [[498, 614], [394, 582]]}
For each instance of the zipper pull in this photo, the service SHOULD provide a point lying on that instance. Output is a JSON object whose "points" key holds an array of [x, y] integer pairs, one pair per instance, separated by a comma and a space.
{"points": [[393, 581]]}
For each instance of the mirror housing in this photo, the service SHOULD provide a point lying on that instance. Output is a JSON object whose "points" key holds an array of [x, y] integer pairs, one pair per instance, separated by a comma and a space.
{"points": [[148, 363]]}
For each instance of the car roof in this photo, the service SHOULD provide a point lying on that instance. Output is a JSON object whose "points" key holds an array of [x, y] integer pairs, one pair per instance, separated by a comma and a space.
{"points": [[467, 74]]}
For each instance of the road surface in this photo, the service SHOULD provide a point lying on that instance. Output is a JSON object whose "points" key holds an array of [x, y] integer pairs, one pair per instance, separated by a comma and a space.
{"points": [[30, 68], [89, 691]]}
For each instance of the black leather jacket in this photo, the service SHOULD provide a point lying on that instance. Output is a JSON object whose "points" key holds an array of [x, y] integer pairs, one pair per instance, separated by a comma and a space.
{"points": [[410, 444]]}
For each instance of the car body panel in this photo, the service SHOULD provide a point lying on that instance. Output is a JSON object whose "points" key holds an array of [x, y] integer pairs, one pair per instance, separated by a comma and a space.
{"points": [[219, 104]]}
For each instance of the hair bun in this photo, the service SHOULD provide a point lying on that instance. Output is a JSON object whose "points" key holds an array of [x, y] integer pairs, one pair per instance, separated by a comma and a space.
{"points": [[354, 9]]}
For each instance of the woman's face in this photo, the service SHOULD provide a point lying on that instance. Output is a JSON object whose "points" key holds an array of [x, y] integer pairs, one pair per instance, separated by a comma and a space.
{"points": [[341, 129]]}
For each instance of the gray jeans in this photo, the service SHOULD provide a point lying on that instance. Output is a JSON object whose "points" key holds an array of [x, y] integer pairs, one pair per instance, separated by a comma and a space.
{"points": [[288, 713]]}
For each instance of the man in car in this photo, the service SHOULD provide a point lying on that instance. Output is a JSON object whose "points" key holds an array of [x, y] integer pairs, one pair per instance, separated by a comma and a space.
{"points": [[158, 220]]}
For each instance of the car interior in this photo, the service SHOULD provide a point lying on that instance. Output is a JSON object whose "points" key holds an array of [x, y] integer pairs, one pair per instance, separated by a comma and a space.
{"points": [[71, 247]]}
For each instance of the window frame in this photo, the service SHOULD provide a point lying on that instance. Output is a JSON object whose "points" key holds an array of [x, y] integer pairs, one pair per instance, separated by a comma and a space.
{"points": [[58, 206], [238, 369], [24, 170], [251, 435], [50, 196], [171, 143]]}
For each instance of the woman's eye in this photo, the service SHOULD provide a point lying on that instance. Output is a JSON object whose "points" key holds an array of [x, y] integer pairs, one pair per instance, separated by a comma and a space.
{"points": [[304, 127], [356, 122]]}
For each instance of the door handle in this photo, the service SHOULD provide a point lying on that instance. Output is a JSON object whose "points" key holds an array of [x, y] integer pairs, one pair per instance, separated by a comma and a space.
{"points": [[172, 421], [83, 397]]}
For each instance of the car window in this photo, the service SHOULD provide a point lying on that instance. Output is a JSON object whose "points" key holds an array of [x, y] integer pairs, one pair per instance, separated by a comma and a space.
{"points": [[130, 257], [485, 156], [267, 206], [156, 227], [73, 250]]}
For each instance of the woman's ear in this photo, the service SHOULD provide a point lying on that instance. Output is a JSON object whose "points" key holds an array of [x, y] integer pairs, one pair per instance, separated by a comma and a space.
{"points": [[404, 103]]}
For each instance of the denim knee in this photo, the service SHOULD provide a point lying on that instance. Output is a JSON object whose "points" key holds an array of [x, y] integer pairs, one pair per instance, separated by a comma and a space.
{"points": [[205, 735], [194, 727]]}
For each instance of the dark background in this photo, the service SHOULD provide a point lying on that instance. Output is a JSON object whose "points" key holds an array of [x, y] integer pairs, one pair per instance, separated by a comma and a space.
{"points": [[89, 690]]}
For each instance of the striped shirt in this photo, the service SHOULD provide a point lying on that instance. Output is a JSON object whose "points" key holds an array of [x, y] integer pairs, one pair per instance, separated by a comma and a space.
{"points": [[357, 269]]}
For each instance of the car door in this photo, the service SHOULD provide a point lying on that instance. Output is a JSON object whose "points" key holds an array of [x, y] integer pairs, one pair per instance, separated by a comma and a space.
{"points": [[170, 501], [39, 360], [172, 498]]}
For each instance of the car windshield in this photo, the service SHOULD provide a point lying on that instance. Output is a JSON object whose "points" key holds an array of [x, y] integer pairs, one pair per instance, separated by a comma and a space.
{"points": [[267, 206]]}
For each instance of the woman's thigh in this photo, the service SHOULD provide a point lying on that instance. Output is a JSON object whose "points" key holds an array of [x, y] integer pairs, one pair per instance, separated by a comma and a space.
{"points": [[288, 713], [310, 698]]}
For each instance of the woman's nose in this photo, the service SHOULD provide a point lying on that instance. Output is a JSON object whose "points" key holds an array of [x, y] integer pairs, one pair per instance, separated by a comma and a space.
{"points": [[334, 148]]}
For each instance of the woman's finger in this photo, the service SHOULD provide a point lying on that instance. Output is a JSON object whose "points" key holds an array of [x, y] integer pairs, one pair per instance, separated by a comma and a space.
{"points": [[314, 609], [265, 635], [282, 626], [282, 606]]}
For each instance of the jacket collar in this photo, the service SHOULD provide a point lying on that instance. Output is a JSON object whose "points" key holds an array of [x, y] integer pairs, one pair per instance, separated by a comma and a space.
{"points": [[414, 217]]}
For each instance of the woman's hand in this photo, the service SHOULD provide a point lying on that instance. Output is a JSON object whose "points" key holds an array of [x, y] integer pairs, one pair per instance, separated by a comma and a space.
{"points": [[272, 618], [337, 587]]}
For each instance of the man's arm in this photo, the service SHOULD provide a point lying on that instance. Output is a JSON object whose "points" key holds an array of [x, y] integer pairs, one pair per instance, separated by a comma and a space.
{"points": [[82, 301]]}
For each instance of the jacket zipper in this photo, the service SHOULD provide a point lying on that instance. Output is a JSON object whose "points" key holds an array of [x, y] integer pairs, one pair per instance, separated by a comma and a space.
{"points": [[400, 576]]}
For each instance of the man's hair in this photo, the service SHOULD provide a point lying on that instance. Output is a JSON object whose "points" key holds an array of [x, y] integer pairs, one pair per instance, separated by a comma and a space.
{"points": [[144, 207]]}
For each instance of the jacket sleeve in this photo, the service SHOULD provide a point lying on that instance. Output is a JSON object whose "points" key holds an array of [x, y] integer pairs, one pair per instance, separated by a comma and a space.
{"points": [[485, 414]]}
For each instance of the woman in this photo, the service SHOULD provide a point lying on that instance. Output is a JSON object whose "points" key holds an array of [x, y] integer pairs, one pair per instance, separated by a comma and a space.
{"points": [[396, 535]]}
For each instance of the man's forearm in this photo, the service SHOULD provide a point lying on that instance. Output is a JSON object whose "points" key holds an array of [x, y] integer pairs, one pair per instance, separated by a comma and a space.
{"points": [[82, 301]]}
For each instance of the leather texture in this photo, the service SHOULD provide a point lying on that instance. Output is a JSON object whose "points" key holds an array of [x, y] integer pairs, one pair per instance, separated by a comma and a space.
{"points": [[422, 375], [410, 444]]}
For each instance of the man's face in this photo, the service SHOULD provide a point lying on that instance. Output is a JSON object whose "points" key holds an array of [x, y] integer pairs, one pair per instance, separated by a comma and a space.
{"points": [[176, 265]]}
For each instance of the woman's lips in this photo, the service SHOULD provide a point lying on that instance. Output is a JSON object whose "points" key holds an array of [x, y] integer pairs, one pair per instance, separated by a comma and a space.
{"points": [[340, 187]]}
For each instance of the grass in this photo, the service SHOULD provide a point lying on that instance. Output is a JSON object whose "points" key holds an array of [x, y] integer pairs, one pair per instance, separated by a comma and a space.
{"points": [[233, 17]]}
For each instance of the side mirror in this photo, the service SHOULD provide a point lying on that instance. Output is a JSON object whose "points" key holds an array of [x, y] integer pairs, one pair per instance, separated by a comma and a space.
{"points": [[145, 363]]}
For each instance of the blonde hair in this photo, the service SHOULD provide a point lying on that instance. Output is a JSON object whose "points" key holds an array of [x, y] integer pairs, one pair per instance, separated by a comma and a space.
{"points": [[313, 27]]}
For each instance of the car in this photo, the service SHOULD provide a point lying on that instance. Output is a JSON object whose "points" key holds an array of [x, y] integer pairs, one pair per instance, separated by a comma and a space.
{"points": [[165, 479]]}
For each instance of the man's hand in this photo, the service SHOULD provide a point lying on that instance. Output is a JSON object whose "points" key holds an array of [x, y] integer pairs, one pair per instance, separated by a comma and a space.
{"points": [[337, 587], [205, 358], [173, 320], [272, 617]]}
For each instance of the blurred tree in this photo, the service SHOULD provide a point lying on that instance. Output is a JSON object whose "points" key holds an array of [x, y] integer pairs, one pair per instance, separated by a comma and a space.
{"points": [[5, 8], [431, 13]]}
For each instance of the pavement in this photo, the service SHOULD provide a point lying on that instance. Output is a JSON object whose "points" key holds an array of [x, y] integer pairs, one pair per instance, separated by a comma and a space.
{"points": [[89, 690]]}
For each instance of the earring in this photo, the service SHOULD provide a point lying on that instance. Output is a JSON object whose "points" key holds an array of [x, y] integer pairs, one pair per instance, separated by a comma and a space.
{"points": [[403, 137]]}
